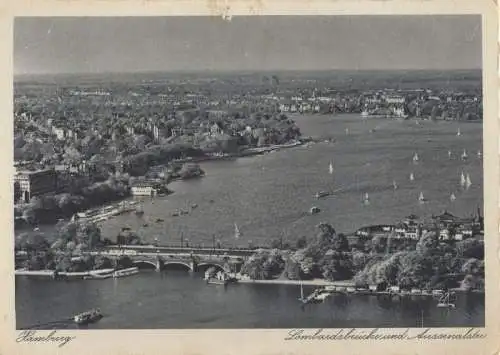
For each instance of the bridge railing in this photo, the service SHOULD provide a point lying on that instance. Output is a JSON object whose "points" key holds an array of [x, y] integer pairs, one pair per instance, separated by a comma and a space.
{"points": [[178, 248]]}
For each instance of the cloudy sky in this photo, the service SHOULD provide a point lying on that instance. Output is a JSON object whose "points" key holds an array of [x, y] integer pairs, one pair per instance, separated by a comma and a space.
{"points": [[136, 44]]}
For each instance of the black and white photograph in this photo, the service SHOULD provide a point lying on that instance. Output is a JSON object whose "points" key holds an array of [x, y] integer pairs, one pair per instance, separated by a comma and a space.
{"points": [[235, 172]]}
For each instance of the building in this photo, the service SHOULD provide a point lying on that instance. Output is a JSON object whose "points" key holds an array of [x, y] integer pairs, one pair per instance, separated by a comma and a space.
{"points": [[144, 189], [35, 183], [395, 100]]}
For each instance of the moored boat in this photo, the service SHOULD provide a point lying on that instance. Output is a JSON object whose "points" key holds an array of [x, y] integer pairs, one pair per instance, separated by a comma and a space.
{"points": [[444, 301], [321, 194], [125, 272]]}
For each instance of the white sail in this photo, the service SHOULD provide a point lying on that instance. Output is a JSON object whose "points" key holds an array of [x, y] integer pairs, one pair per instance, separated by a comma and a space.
{"points": [[237, 233], [462, 179], [347, 131], [394, 184], [453, 197], [464, 154], [415, 158], [330, 168], [421, 197], [412, 177], [449, 154], [366, 199], [458, 132], [468, 181]]}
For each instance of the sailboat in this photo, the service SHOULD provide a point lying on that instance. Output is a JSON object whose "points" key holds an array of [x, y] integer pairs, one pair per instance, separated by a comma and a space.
{"points": [[421, 198], [444, 301], [412, 177], [458, 132], [347, 131], [415, 158], [330, 168], [462, 179], [449, 154], [394, 185], [464, 155], [237, 233], [479, 154], [468, 182], [366, 199], [302, 298], [453, 197]]}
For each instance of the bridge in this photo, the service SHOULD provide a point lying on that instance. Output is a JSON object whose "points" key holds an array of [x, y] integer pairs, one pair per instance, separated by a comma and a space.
{"points": [[192, 259]]}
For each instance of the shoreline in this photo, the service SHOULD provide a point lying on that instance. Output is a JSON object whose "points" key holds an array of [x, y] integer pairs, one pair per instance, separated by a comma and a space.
{"points": [[249, 152], [313, 282]]}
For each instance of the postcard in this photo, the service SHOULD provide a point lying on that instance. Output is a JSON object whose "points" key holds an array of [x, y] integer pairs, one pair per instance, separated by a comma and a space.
{"points": [[250, 177]]}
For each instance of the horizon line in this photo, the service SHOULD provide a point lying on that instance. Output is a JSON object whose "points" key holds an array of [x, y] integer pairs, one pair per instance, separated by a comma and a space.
{"points": [[198, 71]]}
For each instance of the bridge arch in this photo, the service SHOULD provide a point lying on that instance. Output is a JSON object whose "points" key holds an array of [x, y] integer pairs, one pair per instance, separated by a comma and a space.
{"points": [[176, 264], [145, 264], [202, 267]]}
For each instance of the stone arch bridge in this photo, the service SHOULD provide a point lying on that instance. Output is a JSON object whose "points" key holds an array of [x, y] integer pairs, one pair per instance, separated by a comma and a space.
{"points": [[192, 259]]}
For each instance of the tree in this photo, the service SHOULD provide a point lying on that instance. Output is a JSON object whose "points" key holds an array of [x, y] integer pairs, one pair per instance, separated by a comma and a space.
{"points": [[301, 242], [276, 244], [102, 262], [428, 243], [124, 262], [470, 248], [340, 242]]}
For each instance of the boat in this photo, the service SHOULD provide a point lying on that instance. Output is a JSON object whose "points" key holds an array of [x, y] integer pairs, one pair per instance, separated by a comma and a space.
{"points": [[330, 168], [220, 278], [479, 154], [394, 185], [175, 214], [449, 154], [214, 281], [462, 179], [444, 301], [464, 155], [453, 197], [319, 295], [421, 198], [415, 158], [459, 133], [321, 194], [184, 212], [91, 316], [412, 177], [237, 233], [194, 205], [468, 182], [36, 229], [125, 272], [347, 131], [98, 276], [366, 199], [145, 225], [158, 220], [314, 210]]}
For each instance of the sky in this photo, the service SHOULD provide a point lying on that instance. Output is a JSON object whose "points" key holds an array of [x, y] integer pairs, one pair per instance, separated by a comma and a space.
{"points": [[138, 44]]}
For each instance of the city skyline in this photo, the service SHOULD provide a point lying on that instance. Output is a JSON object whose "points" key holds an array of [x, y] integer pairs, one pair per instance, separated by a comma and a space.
{"points": [[284, 43]]}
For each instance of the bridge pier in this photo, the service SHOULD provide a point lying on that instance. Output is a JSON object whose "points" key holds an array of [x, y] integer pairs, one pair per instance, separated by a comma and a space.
{"points": [[159, 265]]}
